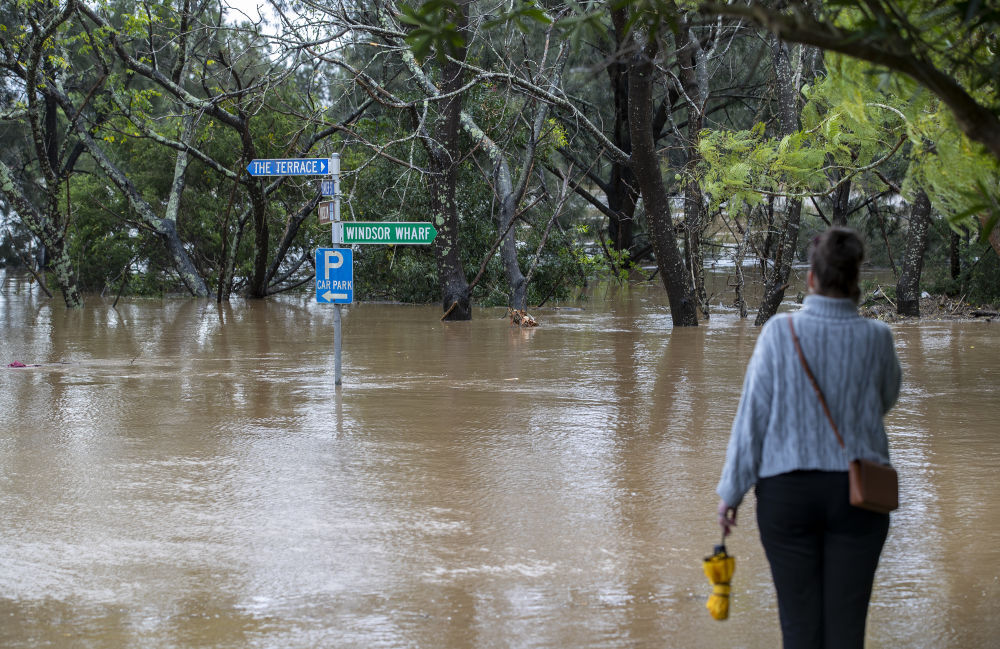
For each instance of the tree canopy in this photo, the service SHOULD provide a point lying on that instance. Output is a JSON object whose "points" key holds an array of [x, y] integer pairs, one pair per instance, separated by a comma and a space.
{"points": [[549, 142]]}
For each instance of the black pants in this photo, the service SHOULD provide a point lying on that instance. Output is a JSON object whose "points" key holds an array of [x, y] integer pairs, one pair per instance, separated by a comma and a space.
{"points": [[823, 554]]}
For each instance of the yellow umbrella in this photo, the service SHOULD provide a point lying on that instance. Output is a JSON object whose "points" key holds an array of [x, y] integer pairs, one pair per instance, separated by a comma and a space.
{"points": [[719, 569]]}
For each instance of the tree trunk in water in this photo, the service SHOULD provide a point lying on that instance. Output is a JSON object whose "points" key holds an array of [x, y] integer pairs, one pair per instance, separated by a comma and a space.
{"points": [[694, 79], [768, 244], [168, 228], [508, 247], [193, 281], [777, 282], [908, 286], [788, 114], [261, 232], [455, 299], [48, 229], [49, 225], [510, 194], [451, 276], [693, 75], [741, 247], [646, 167], [62, 269], [694, 211]]}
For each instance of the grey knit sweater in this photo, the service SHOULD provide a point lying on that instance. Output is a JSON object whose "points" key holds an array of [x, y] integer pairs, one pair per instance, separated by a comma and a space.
{"points": [[780, 425]]}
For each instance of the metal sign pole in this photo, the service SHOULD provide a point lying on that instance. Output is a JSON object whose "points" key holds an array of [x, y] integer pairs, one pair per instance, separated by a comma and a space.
{"points": [[337, 232], [337, 343]]}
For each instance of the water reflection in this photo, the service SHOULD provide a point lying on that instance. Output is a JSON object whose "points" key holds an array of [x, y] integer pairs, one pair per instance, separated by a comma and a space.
{"points": [[179, 473]]}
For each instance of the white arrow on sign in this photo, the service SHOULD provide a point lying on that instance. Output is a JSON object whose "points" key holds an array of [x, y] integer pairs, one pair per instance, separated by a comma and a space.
{"points": [[330, 297]]}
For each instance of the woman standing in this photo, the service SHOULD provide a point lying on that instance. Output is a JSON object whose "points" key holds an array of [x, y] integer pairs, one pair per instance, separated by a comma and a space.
{"points": [[823, 552]]}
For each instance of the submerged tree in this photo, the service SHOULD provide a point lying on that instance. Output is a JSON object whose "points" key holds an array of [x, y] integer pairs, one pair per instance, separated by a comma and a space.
{"points": [[32, 176]]}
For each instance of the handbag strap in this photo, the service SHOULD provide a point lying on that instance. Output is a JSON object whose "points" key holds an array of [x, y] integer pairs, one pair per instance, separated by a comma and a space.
{"points": [[812, 379]]}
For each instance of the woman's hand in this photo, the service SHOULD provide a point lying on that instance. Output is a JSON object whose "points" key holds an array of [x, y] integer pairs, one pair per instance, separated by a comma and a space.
{"points": [[727, 517]]}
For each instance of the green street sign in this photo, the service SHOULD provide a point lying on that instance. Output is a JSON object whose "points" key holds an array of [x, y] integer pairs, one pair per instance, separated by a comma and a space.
{"points": [[410, 233]]}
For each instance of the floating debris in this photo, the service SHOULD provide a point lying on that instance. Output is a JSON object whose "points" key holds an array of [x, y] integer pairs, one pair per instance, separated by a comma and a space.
{"points": [[935, 307], [521, 318]]}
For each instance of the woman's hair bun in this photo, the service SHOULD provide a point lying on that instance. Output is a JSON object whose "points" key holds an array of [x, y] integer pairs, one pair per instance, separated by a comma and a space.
{"points": [[835, 259]]}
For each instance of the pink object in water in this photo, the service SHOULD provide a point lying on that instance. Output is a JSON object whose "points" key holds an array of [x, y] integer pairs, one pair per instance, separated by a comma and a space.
{"points": [[17, 364]]}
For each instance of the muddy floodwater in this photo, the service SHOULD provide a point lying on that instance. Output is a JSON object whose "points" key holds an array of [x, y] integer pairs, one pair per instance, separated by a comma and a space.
{"points": [[179, 474]]}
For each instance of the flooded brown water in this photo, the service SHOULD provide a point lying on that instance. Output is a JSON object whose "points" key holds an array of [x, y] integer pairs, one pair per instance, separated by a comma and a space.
{"points": [[183, 474]]}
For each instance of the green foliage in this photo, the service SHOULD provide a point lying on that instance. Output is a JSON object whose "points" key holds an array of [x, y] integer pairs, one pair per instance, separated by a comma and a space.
{"points": [[563, 269], [586, 22], [979, 278], [650, 16], [962, 180], [960, 39], [618, 265], [958, 36], [742, 167], [522, 15], [852, 120], [960, 176], [434, 25]]}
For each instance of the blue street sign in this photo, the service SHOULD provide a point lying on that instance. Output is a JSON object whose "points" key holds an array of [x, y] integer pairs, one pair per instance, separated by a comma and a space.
{"points": [[290, 167], [328, 188], [334, 275]]}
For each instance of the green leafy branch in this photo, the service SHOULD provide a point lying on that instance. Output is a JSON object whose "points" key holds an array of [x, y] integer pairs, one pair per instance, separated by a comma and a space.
{"points": [[434, 25]]}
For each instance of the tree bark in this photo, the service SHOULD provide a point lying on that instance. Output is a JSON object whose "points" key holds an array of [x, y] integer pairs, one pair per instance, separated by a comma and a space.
{"points": [[257, 287], [956, 263], [455, 298], [508, 248], [841, 203], [621, 191], [454, 285], [693, 74], [49, 223], [48, 232], [788, 117], [908, 285], [646, 166]]}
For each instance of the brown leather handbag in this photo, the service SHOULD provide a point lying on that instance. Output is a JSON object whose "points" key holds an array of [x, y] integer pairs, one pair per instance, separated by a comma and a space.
{"points": [[873, 486]]}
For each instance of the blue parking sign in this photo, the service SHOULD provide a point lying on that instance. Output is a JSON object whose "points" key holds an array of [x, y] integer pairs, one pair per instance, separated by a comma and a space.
{"points": [[334, 275]]}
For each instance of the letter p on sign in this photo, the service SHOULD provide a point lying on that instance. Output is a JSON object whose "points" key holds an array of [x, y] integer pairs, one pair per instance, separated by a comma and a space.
{"points": [[331, 259]]}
